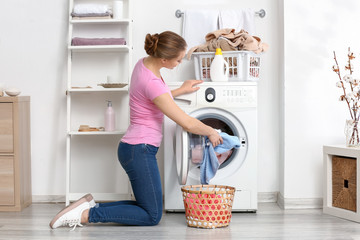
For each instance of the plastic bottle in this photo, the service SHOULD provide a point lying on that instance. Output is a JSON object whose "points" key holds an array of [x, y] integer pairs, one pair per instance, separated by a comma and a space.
{"points": [[217, 73], [109, 117]]}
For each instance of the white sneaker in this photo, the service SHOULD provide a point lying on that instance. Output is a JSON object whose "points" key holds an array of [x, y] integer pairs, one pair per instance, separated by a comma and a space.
{"points": [[90, 199], [71, 215]]}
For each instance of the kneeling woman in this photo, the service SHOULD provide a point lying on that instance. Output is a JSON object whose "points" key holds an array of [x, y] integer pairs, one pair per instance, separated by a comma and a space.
{"points": [[150, 99]]}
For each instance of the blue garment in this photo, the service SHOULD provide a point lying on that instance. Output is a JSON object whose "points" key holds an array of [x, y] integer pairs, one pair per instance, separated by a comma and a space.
{"points": [[139, 162], [210, 163]]}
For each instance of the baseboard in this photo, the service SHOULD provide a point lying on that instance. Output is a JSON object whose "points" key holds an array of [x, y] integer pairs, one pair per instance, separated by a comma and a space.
{"points": [[48, 198], [264, 197], [299, 203]]}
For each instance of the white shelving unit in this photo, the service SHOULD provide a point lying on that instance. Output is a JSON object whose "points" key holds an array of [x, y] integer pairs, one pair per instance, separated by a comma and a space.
{"points": [[91, 160], [328, 206]]}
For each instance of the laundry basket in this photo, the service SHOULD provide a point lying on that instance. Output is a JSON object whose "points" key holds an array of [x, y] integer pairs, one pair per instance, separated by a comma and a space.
{"points": [[243, 65], [208, 206]]}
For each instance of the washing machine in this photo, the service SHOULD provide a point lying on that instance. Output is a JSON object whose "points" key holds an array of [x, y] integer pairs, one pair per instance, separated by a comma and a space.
{"points": [[230, 107]]}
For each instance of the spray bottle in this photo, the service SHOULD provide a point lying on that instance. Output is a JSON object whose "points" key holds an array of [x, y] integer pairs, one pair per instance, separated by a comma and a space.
{"points": [[109, 117], [217, 73]]}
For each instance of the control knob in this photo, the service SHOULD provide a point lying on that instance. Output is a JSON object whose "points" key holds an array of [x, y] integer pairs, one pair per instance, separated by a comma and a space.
{"points": [[210, 95]]}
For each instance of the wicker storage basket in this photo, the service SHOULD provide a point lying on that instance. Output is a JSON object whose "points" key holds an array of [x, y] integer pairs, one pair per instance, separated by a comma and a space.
{"points": [[344, 182], [243, 65], [208, 206]]}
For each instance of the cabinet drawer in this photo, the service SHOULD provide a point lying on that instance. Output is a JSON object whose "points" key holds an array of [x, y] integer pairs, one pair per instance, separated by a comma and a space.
{"points": [[6, 128], [7, 181]]}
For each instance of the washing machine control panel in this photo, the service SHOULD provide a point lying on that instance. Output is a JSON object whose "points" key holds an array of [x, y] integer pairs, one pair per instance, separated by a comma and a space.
{"points": [[222, 95], [229, 96]]}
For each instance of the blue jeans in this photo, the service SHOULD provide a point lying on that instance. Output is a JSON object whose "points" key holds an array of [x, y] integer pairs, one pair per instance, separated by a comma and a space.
{"points": [[139, 162]]}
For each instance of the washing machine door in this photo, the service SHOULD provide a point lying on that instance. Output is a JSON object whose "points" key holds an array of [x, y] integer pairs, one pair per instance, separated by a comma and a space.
{"points": [[182, 154], [186, 144], [189, 152]]}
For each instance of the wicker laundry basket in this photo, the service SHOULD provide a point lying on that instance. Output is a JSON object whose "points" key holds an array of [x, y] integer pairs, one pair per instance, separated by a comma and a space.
{"points": [[243, 65], [208, 206], [344, 182]]}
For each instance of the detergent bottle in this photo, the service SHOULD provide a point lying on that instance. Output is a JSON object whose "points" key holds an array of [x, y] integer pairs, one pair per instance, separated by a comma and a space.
{"points": [[109, 117], [217, 73]]}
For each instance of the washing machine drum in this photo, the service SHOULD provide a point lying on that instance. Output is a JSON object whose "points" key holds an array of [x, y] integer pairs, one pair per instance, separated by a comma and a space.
{"points": [[190, 147]]}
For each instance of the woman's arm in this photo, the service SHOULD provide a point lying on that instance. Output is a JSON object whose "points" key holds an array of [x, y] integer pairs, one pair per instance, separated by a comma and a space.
{"points": [[188, 86], [167, 105]]}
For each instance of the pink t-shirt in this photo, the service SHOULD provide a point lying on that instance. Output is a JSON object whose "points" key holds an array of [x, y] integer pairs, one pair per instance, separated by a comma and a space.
{"points": [[145, 117]]}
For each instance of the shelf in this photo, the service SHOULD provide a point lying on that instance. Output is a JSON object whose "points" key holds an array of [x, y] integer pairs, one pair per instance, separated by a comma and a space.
{"points": [[347, 192], [90, 21], [100, 48], [89, 90], [95, 133], [85, 94]]}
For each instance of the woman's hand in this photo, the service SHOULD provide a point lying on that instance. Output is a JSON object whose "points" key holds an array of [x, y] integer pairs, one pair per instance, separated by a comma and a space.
{"points": [[167, 105], [215, 138], [188, 86]]}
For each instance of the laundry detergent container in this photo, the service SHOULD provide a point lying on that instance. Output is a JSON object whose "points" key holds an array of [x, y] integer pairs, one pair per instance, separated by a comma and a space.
{"points": [[208, 206]]}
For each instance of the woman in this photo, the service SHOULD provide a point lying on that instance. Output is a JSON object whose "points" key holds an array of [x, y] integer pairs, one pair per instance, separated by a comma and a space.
{"points": [[150, 99]]}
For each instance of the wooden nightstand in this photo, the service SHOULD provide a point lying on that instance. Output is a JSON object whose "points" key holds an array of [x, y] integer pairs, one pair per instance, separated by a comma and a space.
{"points": [[15, 161]]}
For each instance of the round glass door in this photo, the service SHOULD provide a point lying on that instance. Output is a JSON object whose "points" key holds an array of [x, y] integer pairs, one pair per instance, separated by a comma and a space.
{"points": [[189, 147]]}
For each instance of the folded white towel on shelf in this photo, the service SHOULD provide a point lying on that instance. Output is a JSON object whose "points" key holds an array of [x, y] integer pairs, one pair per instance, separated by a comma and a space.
{"points": [[197, 23], [85, 8], [238, 19]]}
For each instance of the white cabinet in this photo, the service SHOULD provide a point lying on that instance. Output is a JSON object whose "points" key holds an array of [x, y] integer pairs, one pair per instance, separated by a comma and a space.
{"points": [[341, 182], [99, 52]]}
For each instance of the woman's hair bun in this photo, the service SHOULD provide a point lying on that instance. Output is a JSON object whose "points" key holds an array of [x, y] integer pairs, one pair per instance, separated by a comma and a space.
{"points": [[167, 45], [151, 42]]}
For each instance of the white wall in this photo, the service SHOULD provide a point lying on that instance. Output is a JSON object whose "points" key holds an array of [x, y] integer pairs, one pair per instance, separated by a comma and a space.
{"points": [[33, 58], [150, 18], [313, 116]]}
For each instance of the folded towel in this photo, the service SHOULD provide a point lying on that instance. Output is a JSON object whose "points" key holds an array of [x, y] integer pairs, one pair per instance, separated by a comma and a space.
{"points": [[76, 41], [92, 18], [238, 19], [90, 8], [107, 14], [197, 23], [210, 163]]}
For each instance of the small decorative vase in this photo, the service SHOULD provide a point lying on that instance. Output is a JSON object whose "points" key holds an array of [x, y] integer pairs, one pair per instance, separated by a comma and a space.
{"points": [[352, 133]]}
